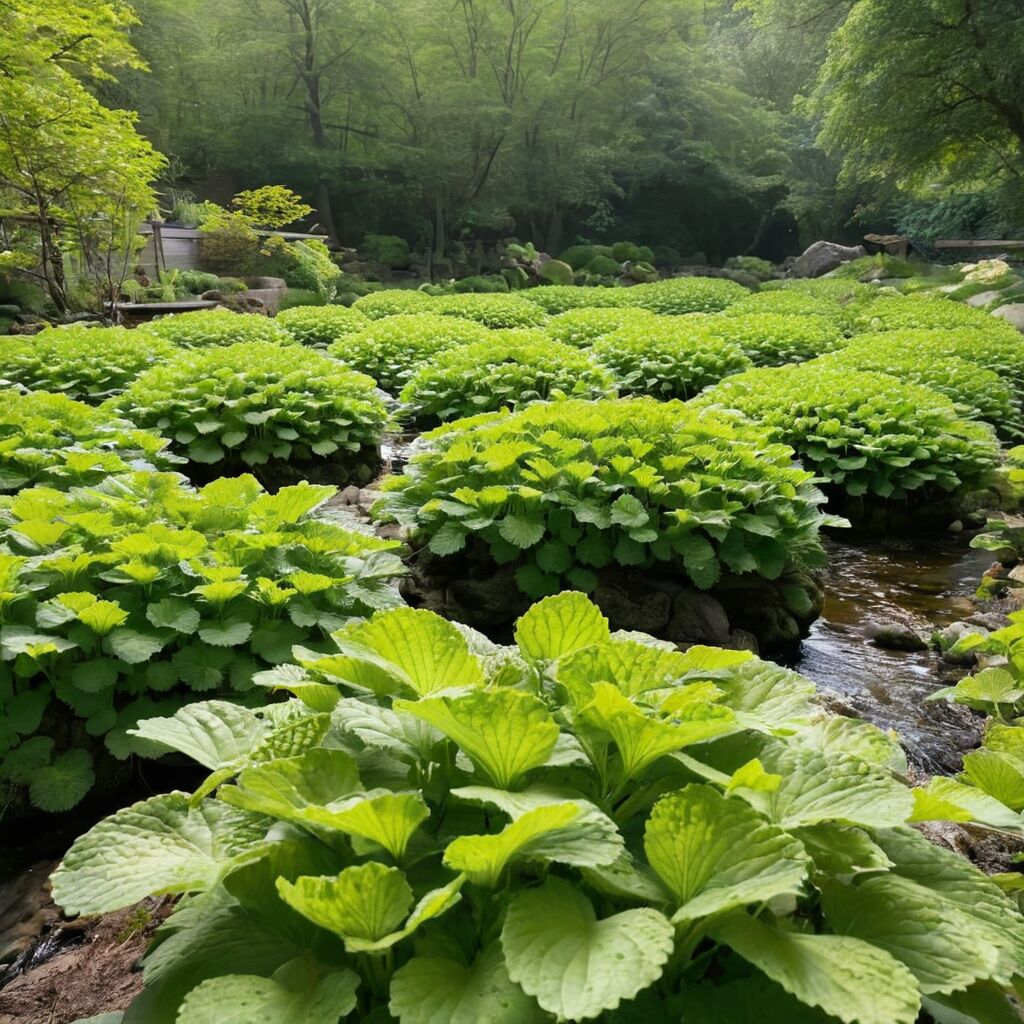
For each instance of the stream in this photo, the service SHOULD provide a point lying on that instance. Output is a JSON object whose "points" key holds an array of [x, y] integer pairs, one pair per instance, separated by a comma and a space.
{"points": [[924, 583]]}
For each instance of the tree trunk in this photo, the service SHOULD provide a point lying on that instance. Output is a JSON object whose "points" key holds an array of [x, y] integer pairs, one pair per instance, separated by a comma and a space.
{"points": [[439, 228], [52, 260], [553, 242]]}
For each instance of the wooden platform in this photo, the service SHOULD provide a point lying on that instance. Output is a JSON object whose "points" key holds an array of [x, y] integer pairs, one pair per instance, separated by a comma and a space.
{"points": [[979, 243]]}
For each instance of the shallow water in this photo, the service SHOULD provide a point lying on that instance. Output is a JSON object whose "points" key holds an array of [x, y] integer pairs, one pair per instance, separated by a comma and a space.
{"points": [[924, 583]]}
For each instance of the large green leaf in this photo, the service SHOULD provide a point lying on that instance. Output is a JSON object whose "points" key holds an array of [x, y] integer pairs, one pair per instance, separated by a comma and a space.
{"points": [[386, 818], [716, 853], [559, 625], [859, 739], [999, 774], [575, 965], [505, 733], [215, 733], [298, 993], [157, 846], [402, 735], [546, 825], [432, 990], [850, 979], [943, 799], [632, 666], [768, 697]]}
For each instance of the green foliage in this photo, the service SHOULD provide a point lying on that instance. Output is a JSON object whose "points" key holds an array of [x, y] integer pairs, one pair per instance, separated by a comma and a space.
{"points": [[494, 311], [195, 282], [321, 326], [686, 295], [507, 370], [54, 441], [390, 250], [213, 328], [391, 348], [761, 269], [303, 264], [580, 826], [577, 256], [246, 404], [774, 339], [792, 303], [293, 298], [881, 264], [480, 283], [977, 393], [667, 357], [894, 313], [568, 488], [392, 301], [556, 272], [623, 252], [558, 298], [602, 266], [127, 600], [582, 327], [271, 206], [87, 363], [865, 433], [1004, 536]]}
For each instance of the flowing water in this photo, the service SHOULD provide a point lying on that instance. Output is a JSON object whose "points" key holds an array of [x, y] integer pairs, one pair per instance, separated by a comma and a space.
{"points": [[924, 583]]}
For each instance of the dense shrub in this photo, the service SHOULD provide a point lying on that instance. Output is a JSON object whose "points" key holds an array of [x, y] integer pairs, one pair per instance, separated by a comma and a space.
{"points": [[978, 394], [129, 599], [390, 250], [306, 264], [773, 339], [833, 288], [321, 325], [582, 327], [763, 270], [602, 266], [577, 256], [667, 357], [880, 264], [295, 298], [509, 369], [558, 298], [87, 363], [792, 303], [866, 433], [260, 405], [421, 837], [623, 252], [484, 283], [568, 488], [494, 311], [391, 301], [686, 295], [198, 281], [390, 349], [921, 311], [210, 328]]}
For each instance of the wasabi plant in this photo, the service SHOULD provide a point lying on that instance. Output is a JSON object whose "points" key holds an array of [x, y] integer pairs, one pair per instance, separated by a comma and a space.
{"points": [[582, 327], [793, 303], [216, 328], [678, 295], [386, 303], [510, 369], [497, 311], [582, 826], [321, 326], [131, 598], [895, 313], [558, 298], [774, 339]]}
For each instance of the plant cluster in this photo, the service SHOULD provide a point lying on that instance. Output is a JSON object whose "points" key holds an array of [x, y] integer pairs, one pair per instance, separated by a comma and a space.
{"points": [[556, 298], [880, 265], [392, 348], [678, 295], [763, 270], [668, 357], [845, 292], [866, 433], [583, 825], [895, 313], [583, 326], [977, 393], [247, 404], [130, 598], [390, 250], [774, 339], [86, 363], [55, 441], [321, 326], [211, 328], [565, 489], [305, 265], [496, 311], [792, 303], [509, 369], [391, 301]]}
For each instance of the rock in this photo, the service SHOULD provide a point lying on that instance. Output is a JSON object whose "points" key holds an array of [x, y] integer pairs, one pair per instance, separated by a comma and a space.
{"points": [[1012, 313], [697, 619], [894, 636], [893, 245], [956, 526], [1016, 574], [985, 621], [349, 495], [982, 298], [634, 601], [821, 257], [7, 310], [742, 640], [948, 637], [266, 283]]}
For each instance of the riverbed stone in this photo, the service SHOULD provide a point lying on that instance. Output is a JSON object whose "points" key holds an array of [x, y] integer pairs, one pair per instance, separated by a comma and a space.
{"points": [[821, 257], [947, 638], [895, 636], [697, 619], [635, 601], [1012, 313]]}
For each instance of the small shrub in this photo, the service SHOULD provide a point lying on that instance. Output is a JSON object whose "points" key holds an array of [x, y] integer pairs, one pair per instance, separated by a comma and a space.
{"points": [[764, 270], [494, 311], [148, 594], [603, 266], [260, 405], [667, 357], [480, 283], [195, 282], [623, 252], [390, 349], [56, 442], [834, 289], [509, 369], [774, 339], [865, 433], [583, 326], [577, 256], [392, 301], [686, 295], [879, 265], [390, 250], [214, 328], [296, 298], [567, 488], [922, 311], [87, 363], [321, 326], [556, 272], [792, 303], [556, 298], [306, 265], [230, 285]]}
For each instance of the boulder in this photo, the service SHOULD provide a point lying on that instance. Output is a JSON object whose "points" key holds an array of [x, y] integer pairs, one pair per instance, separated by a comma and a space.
{"points": [[698, 619], [821, 257], [267, 283], [948, 637], [895, 636], [893, 245], [1012, 313], [982, 299], [634, 601]]}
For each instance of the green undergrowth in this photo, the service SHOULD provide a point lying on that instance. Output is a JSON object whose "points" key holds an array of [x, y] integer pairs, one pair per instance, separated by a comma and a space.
{"points": [[497, 311], [321, 326], [679, 295], [565, 489], [582, 327], [215, 328], [134, 597], [585, 825], [391, 301], [774, 339]]}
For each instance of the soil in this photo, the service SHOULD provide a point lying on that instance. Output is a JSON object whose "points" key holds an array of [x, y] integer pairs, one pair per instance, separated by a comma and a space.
{"points": [[76, 969]]}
